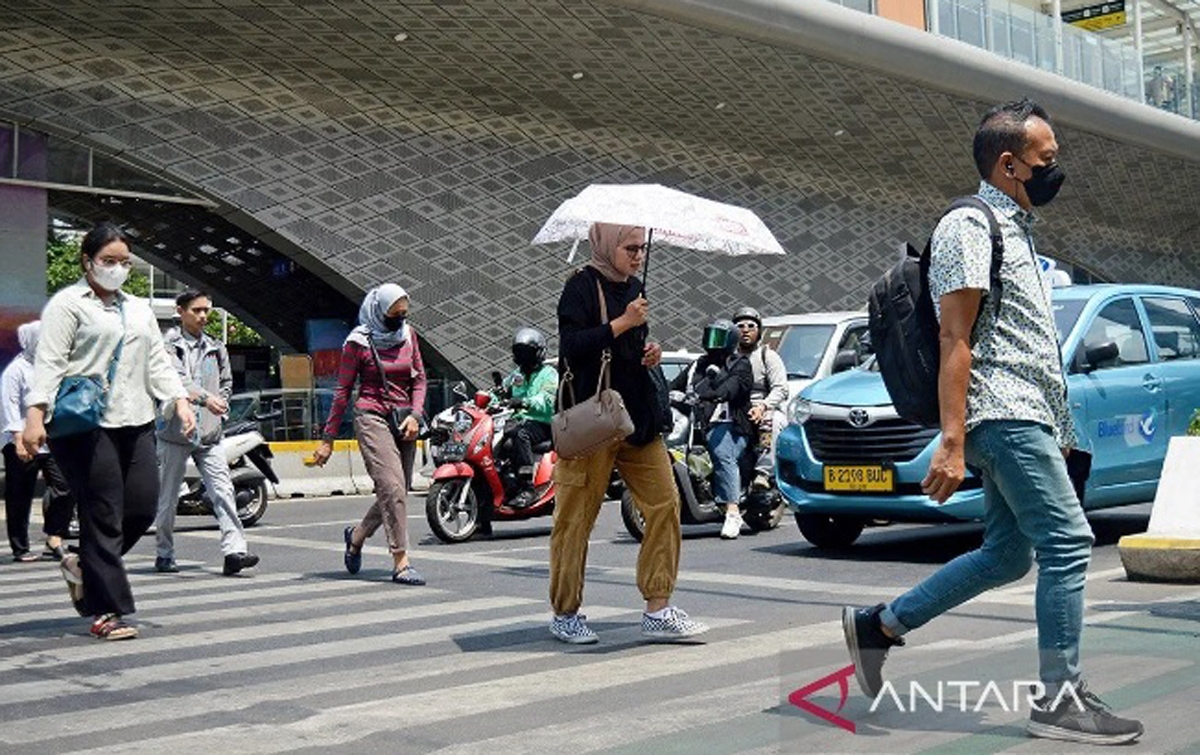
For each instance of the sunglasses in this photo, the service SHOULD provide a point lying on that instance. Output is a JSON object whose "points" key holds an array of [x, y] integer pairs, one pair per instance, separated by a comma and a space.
{"points": [[747, 326], [634, 250]]}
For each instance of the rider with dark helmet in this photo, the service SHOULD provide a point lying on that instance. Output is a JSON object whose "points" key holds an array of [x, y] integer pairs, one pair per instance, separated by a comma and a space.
{"points": [[722, 381], [770, 388], [529, 389]]}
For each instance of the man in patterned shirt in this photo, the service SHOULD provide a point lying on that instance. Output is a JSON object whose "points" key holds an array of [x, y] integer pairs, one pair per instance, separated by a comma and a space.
{"points": [[1002, 399]]}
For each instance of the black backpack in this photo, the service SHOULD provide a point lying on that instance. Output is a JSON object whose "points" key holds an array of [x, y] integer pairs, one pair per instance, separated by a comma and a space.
{"points": [[904, 325]]}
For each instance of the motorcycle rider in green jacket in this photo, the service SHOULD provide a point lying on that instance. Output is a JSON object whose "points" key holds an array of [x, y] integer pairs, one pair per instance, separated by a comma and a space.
{"points": [[530, 390]]}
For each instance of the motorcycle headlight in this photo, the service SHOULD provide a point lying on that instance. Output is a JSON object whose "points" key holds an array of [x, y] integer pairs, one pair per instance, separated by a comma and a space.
{"points": [[462, 422], [799, 411]]}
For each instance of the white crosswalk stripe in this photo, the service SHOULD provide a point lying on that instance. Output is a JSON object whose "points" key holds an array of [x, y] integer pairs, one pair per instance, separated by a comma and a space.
{"points": [[286, 662]]}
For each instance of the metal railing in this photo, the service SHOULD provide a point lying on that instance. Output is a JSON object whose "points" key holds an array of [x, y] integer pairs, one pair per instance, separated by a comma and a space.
{"points": [[1020, 33]]}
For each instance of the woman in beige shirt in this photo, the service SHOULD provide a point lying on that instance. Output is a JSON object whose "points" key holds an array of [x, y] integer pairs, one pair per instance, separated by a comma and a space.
{"points": [[112, 471]]}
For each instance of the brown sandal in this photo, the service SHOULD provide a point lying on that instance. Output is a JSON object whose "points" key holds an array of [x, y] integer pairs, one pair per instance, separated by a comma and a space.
{"points": [[110, 626]]}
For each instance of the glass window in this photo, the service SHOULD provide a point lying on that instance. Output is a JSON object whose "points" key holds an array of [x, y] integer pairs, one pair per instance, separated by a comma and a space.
{"points": [[1176, 332], [6, 150], [68, 163], [800, 346], [1118, 323], [856, 339], [1065, 315], [32, 157]]}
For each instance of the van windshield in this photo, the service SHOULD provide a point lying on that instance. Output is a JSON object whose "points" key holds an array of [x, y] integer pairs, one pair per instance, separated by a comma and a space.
{"points": [[800, 346]]}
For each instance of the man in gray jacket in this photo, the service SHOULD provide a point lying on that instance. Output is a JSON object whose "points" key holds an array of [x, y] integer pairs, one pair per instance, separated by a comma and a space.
{"points": [[769, 393], [203, 366]]}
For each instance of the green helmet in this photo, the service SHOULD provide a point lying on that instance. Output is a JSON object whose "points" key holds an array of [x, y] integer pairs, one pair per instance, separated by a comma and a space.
{"points": [[720, 337]]}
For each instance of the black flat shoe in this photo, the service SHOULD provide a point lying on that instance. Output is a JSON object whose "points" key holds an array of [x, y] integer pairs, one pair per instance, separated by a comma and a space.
{"points": [[408, 576], [235, 562], [57, 552]]}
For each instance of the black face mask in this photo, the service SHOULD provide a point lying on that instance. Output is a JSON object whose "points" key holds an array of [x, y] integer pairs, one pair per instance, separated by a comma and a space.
{"points": [[1044, 184], [393, 323]]}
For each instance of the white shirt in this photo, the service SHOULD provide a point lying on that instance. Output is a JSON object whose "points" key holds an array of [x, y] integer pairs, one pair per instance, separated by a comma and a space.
{"points": [[14, 388], [79, 335]]}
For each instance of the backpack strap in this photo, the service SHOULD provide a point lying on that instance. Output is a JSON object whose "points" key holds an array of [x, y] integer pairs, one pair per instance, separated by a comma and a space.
{"points": [[975, 203]]}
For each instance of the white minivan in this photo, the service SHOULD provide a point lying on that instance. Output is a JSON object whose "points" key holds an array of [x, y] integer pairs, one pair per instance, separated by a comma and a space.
{"points": [[817, 344]]}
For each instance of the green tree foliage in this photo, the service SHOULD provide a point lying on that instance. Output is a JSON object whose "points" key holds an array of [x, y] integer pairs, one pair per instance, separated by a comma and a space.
{"points": [[240, 334], [1194, 425], [62, 268]]}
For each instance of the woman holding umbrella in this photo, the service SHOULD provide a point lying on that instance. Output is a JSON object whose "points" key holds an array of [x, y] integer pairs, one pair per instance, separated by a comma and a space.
{"points": [[642, 460]]}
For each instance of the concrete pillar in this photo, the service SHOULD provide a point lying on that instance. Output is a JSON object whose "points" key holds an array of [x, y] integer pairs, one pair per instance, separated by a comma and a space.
{"points": [[1189, 67], [908, 12], [1137, 43], [24, 220], [1059, 57]]}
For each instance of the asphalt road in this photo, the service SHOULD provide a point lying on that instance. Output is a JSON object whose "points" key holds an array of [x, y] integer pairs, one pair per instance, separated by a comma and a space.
{"points": [[298, 656]]}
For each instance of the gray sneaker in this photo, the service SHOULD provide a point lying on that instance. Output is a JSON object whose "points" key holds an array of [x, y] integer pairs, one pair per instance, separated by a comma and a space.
{"points": [[673, 624], [572, 629], [1082, 717]]}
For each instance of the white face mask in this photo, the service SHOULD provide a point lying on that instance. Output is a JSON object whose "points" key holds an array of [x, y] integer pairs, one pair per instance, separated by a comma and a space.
{"points": [[109, 278]]}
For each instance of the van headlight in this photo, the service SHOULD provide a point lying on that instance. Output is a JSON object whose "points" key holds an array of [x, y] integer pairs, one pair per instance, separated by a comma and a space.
{"points": [[799, 411]]}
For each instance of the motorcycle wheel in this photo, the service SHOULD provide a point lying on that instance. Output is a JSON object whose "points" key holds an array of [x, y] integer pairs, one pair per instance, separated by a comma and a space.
{"points": [[450, 521], [763, 520], [832, 532], [255, 497], [634, 523]]}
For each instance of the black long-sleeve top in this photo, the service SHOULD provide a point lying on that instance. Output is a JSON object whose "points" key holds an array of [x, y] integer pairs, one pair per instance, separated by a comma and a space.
{"points": [[583, 337], [733, 384]]}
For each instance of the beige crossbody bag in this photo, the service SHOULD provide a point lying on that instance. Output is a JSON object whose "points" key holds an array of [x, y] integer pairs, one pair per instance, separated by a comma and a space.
{"points": [[587, 427]]}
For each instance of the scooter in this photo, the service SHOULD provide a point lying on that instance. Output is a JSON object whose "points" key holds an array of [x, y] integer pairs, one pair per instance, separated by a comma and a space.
{"points": [[470, 488], [693, 470], [249, 459], [242, 442]]}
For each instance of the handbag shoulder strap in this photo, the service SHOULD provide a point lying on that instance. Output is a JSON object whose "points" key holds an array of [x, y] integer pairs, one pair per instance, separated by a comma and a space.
{"points": [[387, 386], [116, 357], [602, 383]]}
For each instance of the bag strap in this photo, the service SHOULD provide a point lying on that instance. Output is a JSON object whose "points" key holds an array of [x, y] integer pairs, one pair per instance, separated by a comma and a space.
{"points": [[116, 357], [997, 239], [603, 381], [387, 386]]}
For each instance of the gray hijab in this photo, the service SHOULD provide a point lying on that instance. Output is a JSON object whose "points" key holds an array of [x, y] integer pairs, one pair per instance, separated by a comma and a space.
{"points": [[371, 315]]}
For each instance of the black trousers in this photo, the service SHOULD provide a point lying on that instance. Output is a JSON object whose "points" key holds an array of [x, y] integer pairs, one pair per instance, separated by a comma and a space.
{"points": [[20, 478], [522, 437], [113, 473]]}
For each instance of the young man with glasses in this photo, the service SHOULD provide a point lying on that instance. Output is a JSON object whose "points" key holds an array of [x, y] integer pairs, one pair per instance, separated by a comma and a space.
{"points": [[769, 393]]}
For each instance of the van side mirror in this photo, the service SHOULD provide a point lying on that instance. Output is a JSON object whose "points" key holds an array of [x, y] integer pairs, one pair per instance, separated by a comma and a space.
{"points": [[1094, 356], [846, 359]]}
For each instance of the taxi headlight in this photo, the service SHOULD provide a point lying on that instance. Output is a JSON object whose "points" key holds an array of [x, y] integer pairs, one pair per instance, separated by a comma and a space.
{"points": [[799, 411]]}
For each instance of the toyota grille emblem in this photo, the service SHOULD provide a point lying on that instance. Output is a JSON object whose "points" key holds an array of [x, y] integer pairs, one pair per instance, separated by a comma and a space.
{"points": [[859, 417]]}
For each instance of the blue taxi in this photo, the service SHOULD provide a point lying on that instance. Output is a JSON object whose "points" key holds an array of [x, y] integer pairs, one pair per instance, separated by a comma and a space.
{"points": [[1132, 356]]}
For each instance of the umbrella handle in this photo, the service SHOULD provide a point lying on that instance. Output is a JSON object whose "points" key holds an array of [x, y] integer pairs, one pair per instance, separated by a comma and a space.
{"points": [[646, 267]]}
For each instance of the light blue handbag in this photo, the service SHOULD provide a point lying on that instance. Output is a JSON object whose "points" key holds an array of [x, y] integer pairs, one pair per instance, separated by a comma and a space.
{"points": [[81, 399]]}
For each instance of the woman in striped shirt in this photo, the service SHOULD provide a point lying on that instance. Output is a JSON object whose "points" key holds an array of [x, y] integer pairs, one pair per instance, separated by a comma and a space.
{"points": [[382, 338]]}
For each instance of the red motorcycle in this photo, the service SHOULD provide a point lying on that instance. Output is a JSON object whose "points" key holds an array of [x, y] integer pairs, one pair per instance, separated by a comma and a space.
{"points": [[473, 484]]}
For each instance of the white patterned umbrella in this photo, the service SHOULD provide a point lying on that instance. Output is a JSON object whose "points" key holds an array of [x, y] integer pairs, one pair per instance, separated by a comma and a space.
{"points": [[673, 217]]}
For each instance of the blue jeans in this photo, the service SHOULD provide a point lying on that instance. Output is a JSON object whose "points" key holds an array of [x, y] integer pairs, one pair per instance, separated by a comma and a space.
{"points": [[1029, 508], [726, 448]]}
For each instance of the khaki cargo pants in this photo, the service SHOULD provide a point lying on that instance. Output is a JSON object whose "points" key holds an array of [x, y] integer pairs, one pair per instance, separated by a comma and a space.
{"points": [[580, 488]]}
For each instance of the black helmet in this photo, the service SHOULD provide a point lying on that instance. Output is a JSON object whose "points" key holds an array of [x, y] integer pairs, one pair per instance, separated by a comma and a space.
{"points": [[748, 313], [528, 348], [720, 337]]}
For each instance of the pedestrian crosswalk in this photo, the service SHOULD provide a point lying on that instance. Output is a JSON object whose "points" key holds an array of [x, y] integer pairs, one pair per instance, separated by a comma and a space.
{"points": [[296, 662]]}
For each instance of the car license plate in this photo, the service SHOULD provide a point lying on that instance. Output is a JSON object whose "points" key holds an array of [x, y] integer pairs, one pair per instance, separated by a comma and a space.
{"points": [[860, 479]]}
